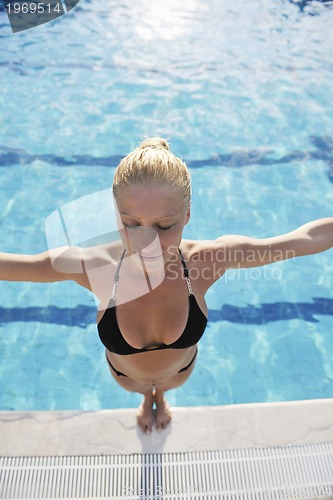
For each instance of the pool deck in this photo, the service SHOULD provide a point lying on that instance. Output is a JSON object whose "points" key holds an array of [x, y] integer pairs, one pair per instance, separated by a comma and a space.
{"points": [[68, 433]]}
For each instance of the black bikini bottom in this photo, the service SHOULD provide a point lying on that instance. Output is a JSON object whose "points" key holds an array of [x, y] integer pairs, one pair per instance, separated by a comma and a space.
{"points": [[121, 374]]}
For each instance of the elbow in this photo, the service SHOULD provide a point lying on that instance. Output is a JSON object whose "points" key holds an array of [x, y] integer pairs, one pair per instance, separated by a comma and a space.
{"points": [[320, 241], [314, 237]]}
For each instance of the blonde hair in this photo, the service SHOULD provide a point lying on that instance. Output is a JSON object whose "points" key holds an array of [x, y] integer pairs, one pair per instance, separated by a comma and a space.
{"points": [[153, 162]]}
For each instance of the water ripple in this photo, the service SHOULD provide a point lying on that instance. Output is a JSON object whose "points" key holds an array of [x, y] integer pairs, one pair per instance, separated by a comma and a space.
{"points": [[83, 315], [324, 151], [276, 311]]}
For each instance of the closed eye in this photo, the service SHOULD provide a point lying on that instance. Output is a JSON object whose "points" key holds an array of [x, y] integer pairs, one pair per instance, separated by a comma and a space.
{"points": [[128, 226]]}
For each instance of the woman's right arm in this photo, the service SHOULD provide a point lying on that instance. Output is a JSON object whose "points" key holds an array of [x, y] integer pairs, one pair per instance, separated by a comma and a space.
{"points": [[39, 268]]}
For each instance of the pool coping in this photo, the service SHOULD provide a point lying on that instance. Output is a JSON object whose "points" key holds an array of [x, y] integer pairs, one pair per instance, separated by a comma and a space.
{"points": [[68, 433]]}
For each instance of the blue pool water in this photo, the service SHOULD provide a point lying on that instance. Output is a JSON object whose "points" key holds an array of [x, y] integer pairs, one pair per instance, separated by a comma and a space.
{"points": [[244, 94]]}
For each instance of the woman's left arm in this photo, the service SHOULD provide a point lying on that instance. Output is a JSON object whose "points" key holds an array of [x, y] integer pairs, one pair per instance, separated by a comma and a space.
{"points": [[243, 251]]}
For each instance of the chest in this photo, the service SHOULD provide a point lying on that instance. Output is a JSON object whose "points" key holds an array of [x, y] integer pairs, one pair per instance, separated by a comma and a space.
{"points": [[155, 319]]}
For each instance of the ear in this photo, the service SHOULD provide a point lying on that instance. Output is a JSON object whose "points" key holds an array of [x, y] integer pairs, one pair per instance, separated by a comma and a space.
{"points": [[188, 214]]}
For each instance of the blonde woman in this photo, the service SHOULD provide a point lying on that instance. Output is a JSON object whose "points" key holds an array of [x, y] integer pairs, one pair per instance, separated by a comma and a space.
{"points": [[151, 337]]}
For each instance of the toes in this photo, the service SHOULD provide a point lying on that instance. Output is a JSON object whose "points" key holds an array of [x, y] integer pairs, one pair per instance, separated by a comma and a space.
{"points": [[162, 424], [159, 426], [145, 426]]}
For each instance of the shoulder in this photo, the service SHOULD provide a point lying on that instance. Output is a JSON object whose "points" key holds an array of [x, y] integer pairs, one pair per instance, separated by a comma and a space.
{"points": [[200, 250], [202, 261], [213, 257], [81, 263], [105, 253]]}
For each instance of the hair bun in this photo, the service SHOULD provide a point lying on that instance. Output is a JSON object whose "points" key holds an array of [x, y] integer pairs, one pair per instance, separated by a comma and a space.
{"points": [[155, 142]]}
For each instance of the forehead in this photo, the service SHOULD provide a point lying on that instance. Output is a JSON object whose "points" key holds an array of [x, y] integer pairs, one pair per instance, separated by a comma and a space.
{"points": [[154, 199]]}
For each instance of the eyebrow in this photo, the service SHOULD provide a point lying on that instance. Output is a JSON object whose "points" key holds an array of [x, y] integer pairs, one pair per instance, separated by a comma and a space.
{"points": [[158, 218]]}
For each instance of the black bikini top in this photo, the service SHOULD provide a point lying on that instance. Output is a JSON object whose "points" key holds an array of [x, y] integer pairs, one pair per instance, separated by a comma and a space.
{"points": [[112, 338]]}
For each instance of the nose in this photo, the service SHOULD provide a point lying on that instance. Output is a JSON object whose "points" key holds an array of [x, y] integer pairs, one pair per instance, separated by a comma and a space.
{"points": [[144, 240], [153, 247]]}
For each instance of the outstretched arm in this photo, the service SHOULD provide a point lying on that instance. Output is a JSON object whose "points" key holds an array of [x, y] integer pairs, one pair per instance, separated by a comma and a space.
{"points": [[243, 251], [40, 267]]}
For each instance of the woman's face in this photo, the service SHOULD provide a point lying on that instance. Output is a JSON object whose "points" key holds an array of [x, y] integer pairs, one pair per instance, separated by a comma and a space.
{"points": [[158, 207]]}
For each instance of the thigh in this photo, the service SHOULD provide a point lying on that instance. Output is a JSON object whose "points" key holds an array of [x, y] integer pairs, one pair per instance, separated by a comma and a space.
{"points": [[177, 380], [130, 384]]}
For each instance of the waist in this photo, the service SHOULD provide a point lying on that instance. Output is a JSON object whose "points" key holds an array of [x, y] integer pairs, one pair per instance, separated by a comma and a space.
{"points": [[152, 365]]}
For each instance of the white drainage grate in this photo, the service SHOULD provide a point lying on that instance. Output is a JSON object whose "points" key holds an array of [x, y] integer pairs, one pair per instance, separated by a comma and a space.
{"points": [[292, 472]]}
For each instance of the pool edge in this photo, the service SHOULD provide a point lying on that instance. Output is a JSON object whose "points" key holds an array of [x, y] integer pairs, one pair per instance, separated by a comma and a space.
{"points": [[258, 425]]}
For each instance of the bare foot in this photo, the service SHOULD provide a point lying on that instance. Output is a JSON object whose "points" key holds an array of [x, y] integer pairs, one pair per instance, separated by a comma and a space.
{"points": [[145, 413], [163, 412]]}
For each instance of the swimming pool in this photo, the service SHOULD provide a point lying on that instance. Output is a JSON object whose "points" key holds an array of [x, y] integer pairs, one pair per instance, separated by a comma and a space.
{"points": [[244, 94]]}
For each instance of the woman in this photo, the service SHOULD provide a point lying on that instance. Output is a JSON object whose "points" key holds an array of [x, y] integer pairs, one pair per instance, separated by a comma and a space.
{"points": [[151, 336]]}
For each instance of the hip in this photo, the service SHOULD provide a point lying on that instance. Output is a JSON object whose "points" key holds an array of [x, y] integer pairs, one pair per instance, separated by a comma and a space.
{"points": [[156, 365]]}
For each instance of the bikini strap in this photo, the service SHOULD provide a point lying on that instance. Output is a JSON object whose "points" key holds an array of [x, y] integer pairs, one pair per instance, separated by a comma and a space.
{"points": [[186, 273], [116, 279]]}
